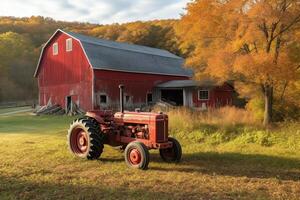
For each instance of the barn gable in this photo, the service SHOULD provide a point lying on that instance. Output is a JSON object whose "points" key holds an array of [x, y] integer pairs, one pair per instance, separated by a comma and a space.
{"points": [[115, 56]]}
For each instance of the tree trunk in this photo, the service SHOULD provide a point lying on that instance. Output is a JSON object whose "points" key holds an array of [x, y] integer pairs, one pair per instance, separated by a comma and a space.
{"points": [[268, 94]]}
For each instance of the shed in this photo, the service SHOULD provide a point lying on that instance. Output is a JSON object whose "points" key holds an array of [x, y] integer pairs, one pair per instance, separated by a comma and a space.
{"points": [[197, 94]]}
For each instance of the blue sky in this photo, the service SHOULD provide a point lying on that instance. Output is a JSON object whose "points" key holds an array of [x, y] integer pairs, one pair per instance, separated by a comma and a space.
{"points": [[95, 11]]}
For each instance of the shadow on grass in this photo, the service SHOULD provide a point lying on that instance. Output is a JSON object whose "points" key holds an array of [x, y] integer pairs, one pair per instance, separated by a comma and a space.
{"points": [[111, 159], [14, 188], [237, 165]]}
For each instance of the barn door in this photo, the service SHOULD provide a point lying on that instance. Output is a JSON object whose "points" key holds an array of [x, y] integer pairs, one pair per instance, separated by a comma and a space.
{"points": [[172, 96], [68, 103]]}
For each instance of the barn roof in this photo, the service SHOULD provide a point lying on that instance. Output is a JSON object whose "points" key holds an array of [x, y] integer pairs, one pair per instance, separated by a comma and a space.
{"points": [[187, 83], [116, 56]]}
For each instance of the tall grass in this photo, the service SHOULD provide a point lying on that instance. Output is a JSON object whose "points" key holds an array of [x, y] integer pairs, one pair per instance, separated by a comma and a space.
{"points": [[186, 119], [230, 125]]}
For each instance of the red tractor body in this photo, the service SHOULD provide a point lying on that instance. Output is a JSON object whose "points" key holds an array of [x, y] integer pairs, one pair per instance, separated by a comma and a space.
{"points": [[123, 128], [136, 132]]}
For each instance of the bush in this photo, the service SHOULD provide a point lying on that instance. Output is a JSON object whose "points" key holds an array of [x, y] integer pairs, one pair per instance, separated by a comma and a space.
{"points": [[284, 111], [256, 107]]}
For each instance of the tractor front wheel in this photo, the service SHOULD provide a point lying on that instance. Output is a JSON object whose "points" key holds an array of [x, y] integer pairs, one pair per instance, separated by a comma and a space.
{"points": [[85, 139], [137, 155], [172, 154]]}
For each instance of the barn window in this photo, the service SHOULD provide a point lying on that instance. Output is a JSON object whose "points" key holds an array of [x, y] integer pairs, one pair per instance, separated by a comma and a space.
{"points": [[149, 98], [55, 48], [103, 99], [69, 44], [203, 95]]}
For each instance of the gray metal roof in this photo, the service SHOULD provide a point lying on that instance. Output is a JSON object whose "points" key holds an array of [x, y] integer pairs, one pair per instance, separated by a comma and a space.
{"points": [[116, 56], [122, 45], [187, 83]]}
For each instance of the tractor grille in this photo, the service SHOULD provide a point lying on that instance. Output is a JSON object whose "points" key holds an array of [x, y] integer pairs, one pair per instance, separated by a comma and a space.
{"points": [[161, 133]]}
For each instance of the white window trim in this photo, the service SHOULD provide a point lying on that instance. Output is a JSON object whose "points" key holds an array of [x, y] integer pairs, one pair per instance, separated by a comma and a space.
{"points": [[203, 99], [53, 49], [69, 48]]}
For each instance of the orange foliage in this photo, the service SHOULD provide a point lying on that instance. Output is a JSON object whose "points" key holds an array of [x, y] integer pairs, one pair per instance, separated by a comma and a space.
{"points": [[248, 41]]}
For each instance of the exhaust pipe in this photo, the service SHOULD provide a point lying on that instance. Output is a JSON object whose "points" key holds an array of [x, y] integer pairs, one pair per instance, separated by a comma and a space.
{"points": [[121, 86]]}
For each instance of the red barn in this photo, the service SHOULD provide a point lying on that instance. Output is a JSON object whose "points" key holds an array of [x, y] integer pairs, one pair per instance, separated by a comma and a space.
{"points": [[87, 71]]}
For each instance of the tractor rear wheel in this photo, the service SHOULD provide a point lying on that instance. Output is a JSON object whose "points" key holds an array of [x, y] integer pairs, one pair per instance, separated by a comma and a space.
{"points": [[85, 139], [137, 155], [172, 154]]}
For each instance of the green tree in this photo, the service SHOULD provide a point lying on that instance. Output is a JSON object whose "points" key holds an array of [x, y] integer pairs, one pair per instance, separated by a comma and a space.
{"points": [[17, 65]]}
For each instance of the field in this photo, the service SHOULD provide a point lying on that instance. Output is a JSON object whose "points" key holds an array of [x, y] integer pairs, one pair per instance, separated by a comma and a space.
{"points": [[4, 111], [229, 162]]}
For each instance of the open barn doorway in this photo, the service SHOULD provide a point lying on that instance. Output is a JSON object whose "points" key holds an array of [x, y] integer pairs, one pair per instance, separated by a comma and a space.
{"points": [[68, 103], [173, 96]]}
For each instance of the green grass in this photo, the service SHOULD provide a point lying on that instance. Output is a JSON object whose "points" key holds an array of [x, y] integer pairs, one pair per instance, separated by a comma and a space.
{"points": [[13, 109], [228, 162]]}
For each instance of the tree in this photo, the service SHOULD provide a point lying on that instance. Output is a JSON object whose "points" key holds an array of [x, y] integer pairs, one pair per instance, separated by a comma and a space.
{"points": [[157, 33], [249, 41], [18, 60]]}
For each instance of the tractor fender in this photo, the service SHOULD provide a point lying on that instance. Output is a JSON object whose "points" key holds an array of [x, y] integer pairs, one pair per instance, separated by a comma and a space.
{"points": [[95, 115]]}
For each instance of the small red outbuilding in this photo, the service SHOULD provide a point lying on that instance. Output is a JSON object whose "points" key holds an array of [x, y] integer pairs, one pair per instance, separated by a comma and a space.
{"points": [[87, 71]]}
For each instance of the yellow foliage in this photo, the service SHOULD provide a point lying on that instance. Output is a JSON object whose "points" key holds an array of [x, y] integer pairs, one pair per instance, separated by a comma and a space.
{"points": [[253, 42]]}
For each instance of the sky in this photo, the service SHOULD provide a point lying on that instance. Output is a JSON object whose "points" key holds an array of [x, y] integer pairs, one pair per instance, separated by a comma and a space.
{"points": [[95, 11]]}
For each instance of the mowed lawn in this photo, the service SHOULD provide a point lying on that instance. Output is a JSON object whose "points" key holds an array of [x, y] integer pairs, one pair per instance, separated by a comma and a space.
{"points": [[36, 164]]}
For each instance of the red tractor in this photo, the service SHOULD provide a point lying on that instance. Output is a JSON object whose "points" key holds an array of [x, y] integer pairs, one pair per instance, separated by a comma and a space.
{"points": [[135, 132]]}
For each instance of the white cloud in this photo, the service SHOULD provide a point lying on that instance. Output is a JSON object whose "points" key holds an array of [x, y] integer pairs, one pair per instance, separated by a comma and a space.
{"points": [[96, 11]]}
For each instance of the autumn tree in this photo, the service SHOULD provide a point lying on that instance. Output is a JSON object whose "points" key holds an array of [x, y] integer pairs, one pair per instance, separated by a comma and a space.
{"points": [[253, 42], [109, 32], [157, 33]]}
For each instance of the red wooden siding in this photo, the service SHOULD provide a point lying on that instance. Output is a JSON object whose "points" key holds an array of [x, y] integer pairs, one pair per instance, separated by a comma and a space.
{"points": [[137, 85], [218, 96], [67, 73]]}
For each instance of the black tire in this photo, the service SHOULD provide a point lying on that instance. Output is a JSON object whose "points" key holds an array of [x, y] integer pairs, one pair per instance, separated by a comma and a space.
{"points": [[172, 154], [141, 150], [85, 130]]}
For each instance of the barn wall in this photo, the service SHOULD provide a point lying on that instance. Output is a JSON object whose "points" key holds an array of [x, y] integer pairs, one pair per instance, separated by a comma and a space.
{"points": [[67, 73], [137, 86], [218, 97]]}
